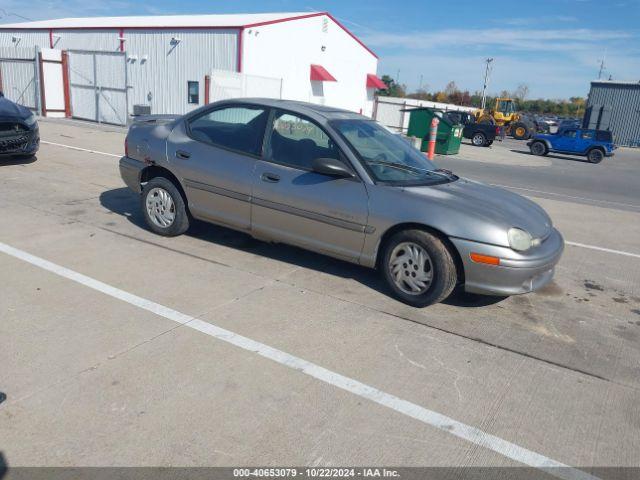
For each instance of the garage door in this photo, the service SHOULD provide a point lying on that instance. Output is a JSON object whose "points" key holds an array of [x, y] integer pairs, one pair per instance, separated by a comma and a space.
{"points": [[98, 82], [19, 77]]}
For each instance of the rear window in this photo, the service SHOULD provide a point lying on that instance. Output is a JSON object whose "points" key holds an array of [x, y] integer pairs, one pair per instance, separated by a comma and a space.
{"points": [[588, 135], [604, 136]]}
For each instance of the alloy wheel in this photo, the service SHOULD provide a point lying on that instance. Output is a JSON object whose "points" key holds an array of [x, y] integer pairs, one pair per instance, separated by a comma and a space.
{"points": [[478, 140]]}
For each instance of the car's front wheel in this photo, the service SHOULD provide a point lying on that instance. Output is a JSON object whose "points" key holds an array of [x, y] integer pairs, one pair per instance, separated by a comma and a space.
{"points": [[164, 208], [595, 155], [538, 148], [418, 268], [479, 139]]}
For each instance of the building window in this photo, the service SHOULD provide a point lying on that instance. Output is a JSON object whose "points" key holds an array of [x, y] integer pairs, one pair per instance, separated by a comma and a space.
{"points": [[193, 92]]}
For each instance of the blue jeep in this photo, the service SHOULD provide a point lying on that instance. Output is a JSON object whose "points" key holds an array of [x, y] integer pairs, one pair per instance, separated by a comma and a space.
{"points": [[593, 144]]}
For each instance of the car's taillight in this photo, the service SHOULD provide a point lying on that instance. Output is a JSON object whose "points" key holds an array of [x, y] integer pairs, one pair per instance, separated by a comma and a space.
{"points": [[497, 130], [126, 147]]}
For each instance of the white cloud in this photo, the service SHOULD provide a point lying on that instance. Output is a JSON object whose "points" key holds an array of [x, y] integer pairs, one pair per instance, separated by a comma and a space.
{"points": [[554, 62], [511, 38]]}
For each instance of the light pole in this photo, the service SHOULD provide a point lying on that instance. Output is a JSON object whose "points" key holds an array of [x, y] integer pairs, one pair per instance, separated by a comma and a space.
{"points": [[487, 72]]}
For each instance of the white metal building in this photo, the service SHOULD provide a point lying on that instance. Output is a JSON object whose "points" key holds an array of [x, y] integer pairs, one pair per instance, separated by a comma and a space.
{"points": [[172, 63]]}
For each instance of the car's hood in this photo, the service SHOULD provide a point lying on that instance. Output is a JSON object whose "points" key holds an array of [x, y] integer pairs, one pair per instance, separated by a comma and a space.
{"points": [[11, 110], [493, 204]]}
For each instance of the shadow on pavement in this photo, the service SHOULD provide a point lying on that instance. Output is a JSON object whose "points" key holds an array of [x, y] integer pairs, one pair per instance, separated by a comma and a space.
{"points": [[4, 162], [126, 203], [558, 157]]}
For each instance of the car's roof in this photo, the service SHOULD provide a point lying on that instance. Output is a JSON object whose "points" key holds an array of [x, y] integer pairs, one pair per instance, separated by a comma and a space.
{"points": [[307, 108]]}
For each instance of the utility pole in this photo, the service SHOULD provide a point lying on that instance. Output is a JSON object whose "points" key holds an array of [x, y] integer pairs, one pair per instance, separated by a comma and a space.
{"points": [[487, 72], [602, 69]]}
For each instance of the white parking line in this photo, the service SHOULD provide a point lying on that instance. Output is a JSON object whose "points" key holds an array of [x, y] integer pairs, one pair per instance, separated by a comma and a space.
{"points": [[422, 414], [80, 149], [602, 249]]}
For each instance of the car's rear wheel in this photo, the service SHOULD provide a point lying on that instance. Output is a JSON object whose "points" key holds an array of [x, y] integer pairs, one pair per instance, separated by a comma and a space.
{"points": [[418, 268], [538, 148], [479, 139], [595, 155], [164, 208]]}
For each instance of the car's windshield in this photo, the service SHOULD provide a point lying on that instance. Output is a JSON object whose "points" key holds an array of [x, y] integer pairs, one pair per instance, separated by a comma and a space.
{"points": [[387, 156]]}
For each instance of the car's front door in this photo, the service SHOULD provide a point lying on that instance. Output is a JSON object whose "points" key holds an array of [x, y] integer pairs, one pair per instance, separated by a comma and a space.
{"points": [[566, 141], [295, 205], [215, 154]]}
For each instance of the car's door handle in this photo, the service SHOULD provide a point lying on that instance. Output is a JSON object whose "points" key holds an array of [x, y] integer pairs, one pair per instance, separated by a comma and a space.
{"points": [[270, 177], [182, 154]]}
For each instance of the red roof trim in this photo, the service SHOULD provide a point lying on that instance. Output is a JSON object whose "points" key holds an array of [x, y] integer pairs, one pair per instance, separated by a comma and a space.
{"points": [[350, 34], [229, 27], [285, 19], [373, 81], [319, 74], [316, 14]]}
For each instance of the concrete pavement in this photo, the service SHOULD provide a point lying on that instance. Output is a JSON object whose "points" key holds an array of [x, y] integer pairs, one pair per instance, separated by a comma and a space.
{"points": [[92, 380]]}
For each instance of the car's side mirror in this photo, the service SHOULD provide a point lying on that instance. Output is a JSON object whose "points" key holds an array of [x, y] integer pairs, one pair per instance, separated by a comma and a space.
{"points": [[331, 167]]}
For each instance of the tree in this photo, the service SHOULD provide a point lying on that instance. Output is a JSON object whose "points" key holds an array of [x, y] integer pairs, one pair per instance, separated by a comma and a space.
{"points": [[451, 89], [393, 89], [441, 97], [420, 94], [521, 92]]}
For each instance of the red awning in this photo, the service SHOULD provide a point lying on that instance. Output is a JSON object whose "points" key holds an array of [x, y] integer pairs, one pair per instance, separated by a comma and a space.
{"points": [[374, 82], [320, 74]]}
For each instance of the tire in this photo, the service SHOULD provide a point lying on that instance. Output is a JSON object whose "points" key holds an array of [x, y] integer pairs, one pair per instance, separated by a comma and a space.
{"points": [[410, 253], [520, 131], [595, 155], [479, 139], [538, 148], [164, 208]]}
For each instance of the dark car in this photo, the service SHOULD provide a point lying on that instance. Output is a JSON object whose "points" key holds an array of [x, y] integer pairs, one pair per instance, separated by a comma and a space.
{"points": [[19, 134], [593, 144], [480, 134]]}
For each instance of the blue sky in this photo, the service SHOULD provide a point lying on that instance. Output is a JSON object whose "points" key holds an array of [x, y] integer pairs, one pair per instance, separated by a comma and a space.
{"points": [[554, 46]]}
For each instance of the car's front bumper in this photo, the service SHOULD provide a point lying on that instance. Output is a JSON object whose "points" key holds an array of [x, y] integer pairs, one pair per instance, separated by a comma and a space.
{"points": [[22, 144], [518, 272]]}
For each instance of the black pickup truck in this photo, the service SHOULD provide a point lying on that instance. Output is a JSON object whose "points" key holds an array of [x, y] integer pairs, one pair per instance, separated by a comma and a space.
{"points": [[480, 134]]}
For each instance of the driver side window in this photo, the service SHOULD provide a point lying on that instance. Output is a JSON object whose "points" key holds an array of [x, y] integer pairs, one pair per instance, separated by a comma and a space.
{"points": [[297, 142], [570, 133]]}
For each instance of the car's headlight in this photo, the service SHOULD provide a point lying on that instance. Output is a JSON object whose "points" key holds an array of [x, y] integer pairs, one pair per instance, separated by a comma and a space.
{"points": [[519, 239], [30, 120]]}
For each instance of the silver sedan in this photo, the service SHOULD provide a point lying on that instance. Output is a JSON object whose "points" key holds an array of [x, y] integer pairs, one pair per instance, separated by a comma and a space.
{"points": [[340, 184]]}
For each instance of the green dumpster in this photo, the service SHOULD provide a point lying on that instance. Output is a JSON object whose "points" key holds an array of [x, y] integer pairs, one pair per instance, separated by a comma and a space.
{"points": [[449, 134]]}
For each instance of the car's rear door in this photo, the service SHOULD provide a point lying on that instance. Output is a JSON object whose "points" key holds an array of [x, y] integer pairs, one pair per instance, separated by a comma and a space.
{"points": [[295, 205], [584, 140], [214, 154]]}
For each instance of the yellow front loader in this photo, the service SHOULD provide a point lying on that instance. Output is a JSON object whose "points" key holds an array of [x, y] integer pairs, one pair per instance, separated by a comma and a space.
{"points": [[504, 115]]}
